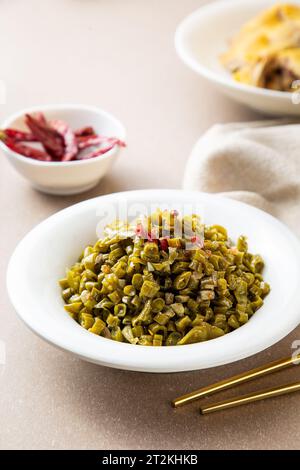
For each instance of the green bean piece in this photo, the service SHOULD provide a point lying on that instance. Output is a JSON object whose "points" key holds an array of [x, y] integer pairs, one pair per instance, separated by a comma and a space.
{"points": [[67, 293], [74, 298], [151, 250], [116, 334], [126, 299], [152, 282], [87, 299], [115, 297], [233, 322], [87, 251], [195, 335], [89, 261], [74, 307], [173, 338], [193, 305], [257, 303], [138, 331], [129, 290], [116, 253], [243, 317], [145, 316], [198, 320], [157, 305], [220, 320], [242, 244], [106, 333], [92, 286], [137, 281], [87, 320], [64, 283], [136, 301], [256, 264], [169, 298], [112, 321], [174, 242], [182, 298], [146, 340], [207, 295], [120, 310], [171, 326], [105, 303], [208, 283], [180, 267], [110, 283], [120, 269], [183, 323], [162, 318], [98, 327], [127, 320], [158, 340], [156, 328], [178, 309], [128, 335], [265, 288], [149, 289], [73, 279], [181, 281], [90, 275]]}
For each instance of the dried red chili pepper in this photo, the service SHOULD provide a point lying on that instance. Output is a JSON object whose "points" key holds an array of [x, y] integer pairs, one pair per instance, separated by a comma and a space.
{"points": [[85, 131], [19, 136], [51, 140], [41, 117], [90, 141], [101, 151], [58, 139], [27, 151], [70, 145]]}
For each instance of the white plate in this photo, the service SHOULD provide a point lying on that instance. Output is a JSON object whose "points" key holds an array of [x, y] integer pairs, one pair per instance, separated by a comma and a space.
{"points": [[205, 34], [42, 256]]}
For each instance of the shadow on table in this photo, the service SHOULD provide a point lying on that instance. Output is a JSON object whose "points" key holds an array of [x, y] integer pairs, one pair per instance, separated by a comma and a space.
{"points": [[137, 405], [109, 184]]}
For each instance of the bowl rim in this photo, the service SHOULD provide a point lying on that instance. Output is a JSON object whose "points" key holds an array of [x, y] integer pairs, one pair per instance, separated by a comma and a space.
{"points": [[150, 359], [52, 107], [224, 80]]}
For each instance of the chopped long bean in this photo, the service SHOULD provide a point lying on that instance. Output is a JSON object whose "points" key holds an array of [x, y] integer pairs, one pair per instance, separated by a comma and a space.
{"points": [[145, 284]]}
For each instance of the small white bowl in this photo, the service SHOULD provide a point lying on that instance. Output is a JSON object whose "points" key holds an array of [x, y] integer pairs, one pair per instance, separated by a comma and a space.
{"points": [[205, 34], [66, 177], [41, 257]]}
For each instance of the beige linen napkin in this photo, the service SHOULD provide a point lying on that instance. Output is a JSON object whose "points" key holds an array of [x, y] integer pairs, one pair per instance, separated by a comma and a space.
{"points": [[256, 162]]}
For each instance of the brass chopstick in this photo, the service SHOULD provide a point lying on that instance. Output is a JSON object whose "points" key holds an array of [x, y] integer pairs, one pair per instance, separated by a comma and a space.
{"points": [[251, 397], [235, 380]]}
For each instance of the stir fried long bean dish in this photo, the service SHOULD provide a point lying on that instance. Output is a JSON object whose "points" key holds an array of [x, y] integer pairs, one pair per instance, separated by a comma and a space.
{"points": [[164, 280]]}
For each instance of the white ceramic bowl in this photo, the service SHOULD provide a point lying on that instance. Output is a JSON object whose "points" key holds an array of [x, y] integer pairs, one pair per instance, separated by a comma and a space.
{"points": [[205, 34], [42, 256], [66, 177]]}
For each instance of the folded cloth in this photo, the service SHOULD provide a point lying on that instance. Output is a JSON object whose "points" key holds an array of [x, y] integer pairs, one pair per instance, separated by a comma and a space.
{"points": [[256, 162]]}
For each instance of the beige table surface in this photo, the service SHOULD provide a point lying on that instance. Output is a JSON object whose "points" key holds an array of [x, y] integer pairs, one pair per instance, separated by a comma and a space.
{"points": [[117, 54]]}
